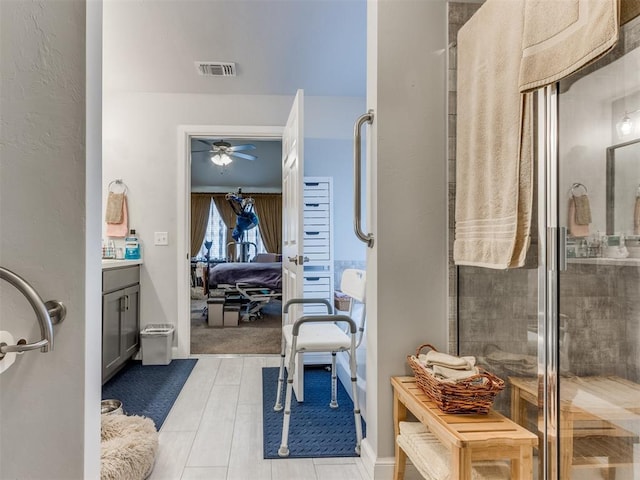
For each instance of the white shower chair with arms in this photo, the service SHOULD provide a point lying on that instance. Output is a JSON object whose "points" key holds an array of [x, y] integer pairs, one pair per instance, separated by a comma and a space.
{"points": [[323, 333]]}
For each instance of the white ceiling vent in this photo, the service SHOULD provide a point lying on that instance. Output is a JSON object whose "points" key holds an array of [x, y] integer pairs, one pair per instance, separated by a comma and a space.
{"points": [[216, 69]]}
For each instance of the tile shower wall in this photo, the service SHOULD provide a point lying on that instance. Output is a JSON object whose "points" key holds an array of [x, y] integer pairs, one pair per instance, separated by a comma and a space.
{"points": [[459, 13]]}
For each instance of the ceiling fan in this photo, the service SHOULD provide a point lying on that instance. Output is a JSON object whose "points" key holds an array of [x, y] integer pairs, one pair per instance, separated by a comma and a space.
{"points": [[221, 151]]}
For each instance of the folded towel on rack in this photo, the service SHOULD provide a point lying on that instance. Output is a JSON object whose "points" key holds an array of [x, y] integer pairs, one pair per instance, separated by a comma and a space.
{"points": [[494, 167], [114, 207], [560, 37], [583, 209], [575, 229], [121, 229]]}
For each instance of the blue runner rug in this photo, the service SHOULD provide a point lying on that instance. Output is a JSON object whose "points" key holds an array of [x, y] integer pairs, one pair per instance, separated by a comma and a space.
{"points": [[315, 429], [149, 390]]}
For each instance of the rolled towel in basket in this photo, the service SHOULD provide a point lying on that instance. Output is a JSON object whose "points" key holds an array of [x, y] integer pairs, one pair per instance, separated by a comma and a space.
{"points": [[446, 360], [450, 374]]}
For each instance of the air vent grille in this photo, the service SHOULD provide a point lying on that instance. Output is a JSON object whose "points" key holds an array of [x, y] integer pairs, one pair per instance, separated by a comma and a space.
{"points": [[216, 69]]}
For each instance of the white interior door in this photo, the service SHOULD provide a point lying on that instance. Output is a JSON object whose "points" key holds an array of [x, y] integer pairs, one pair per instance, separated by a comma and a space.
{"points": [[292, 221], [292, 211]]}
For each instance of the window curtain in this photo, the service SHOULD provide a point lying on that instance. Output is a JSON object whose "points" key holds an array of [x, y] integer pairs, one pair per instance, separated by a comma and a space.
{"points": [[227, 214], [200, 206], [269, 211]]}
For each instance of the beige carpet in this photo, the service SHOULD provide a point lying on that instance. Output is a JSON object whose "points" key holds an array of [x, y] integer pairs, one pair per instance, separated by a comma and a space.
{"points": [[261, 336]]}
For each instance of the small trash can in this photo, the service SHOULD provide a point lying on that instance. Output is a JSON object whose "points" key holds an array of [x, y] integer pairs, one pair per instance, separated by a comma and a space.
{"points": [[156, 340]]}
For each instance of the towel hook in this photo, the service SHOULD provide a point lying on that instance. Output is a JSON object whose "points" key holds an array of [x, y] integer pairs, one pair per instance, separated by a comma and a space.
{"points": [[578, 185], [118, 182]]}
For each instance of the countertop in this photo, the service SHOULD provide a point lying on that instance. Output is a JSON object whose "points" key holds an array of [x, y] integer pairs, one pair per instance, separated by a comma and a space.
{"points": [[109, 263]]}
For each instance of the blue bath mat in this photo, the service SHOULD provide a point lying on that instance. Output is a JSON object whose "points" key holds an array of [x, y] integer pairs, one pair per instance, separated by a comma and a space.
{"points": [[149, 390], [315, 430]]}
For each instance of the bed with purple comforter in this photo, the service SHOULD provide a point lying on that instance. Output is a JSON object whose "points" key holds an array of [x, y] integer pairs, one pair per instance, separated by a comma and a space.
{"points": [[259, 274]]}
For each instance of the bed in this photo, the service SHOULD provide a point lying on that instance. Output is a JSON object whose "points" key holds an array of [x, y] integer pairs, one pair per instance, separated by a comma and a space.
{"points": [[257, 274], [257, 283]]}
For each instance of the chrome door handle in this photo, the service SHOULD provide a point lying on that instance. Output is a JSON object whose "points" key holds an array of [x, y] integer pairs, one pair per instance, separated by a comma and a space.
{"points": [[357, 173], [299, 260]]}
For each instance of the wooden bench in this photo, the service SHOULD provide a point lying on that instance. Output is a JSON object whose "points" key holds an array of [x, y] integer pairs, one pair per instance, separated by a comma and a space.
{"points": [[591, 410], [467, 438]]}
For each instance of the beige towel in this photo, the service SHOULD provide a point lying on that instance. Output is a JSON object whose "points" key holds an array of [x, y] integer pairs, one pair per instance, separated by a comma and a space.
{"points": [[121, 229], [494, 160], [562, 36], [575, 229], [114, 207], [583, 210], [446, 360], [453, 374]]}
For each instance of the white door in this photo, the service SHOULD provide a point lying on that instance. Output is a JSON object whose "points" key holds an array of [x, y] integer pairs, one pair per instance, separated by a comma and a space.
{"points": [[292, 211], [292, 220]]}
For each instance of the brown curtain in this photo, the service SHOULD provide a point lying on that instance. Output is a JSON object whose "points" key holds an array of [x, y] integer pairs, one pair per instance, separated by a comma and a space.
{"points": [[269, 211], [200, 207], [227, 214]]}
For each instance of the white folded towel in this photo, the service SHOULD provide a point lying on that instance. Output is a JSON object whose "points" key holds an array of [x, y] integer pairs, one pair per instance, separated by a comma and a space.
{"points": [[446, 360], [454, 375]]}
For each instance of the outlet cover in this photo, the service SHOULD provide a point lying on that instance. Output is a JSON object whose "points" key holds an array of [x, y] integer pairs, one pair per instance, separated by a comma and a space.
{"points": [[161, 238]]}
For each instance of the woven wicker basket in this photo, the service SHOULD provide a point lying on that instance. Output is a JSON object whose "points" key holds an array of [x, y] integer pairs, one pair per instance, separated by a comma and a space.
{"points": [[473, 395], [341, 301]]}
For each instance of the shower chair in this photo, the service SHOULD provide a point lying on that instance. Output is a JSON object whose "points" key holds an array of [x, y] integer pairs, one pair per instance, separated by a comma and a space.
{"points": [[323, 333]]}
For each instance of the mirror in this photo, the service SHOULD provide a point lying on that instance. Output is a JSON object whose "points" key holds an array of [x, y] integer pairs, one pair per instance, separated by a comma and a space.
{"points": [[623, 187]]}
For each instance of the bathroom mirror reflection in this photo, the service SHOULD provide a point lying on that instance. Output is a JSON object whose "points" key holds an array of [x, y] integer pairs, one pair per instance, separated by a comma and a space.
{"points": [[623, 188]]}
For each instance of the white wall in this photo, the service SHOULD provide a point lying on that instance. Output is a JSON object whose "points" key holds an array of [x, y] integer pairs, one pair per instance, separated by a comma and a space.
{"points": [[140, 147], [44, 206], [407, 268]]}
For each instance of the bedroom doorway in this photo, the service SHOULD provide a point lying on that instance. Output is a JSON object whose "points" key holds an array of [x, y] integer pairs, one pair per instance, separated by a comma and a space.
{"points": [[206, 184]]}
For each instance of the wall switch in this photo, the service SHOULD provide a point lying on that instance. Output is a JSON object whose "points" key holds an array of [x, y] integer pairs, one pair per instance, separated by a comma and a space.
{"points": [[161, 238]]}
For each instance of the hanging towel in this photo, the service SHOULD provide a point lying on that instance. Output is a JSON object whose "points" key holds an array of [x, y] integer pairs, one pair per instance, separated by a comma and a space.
{"points": [[493, 152], [576, 229], [561, 36], [583, 210], [121, 229], [114, 207], [636, 217]]}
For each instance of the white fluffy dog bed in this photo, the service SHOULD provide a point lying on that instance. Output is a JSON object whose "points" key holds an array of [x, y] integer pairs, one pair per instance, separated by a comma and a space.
{"points": [[129, 446]]}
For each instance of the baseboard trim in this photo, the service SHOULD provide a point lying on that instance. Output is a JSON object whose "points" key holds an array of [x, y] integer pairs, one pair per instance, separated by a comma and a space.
{"points": [[376, 468]]}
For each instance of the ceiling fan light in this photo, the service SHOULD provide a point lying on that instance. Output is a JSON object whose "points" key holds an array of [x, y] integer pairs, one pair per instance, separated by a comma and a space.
{"points": [[221, 159]]}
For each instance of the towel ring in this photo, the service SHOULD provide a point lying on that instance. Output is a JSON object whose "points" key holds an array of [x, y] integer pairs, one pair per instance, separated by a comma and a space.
{"points": [[578, 185], [118, 182]]}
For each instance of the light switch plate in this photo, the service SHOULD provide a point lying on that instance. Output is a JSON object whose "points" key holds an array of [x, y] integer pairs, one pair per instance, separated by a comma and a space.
{"points": [[161, 238]]}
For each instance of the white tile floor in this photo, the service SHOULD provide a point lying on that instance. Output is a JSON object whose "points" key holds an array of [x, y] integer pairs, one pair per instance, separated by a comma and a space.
{"points": [[214, 430]]}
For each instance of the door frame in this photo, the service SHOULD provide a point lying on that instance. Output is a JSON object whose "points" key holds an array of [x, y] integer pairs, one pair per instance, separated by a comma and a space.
{"points": [[183, 220]]}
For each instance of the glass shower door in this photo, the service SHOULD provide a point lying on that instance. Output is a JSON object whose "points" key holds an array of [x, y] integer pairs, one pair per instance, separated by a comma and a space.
{"points": [[593, 415]]}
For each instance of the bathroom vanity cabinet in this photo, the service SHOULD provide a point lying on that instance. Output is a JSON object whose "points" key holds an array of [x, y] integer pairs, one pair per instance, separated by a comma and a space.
{"points": [[120, 315]]}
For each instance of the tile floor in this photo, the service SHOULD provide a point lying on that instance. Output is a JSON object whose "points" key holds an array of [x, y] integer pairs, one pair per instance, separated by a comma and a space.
{"points": [[214, 430]]}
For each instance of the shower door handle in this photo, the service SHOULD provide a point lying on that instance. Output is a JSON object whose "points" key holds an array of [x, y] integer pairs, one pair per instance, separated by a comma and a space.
{"points": [[562, 250], [357, 173]]}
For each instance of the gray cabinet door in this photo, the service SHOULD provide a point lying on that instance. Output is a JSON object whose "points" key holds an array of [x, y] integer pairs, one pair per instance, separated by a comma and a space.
{"points": [[130, 329], [112, 310]]}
